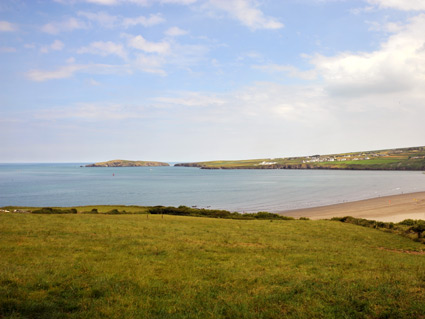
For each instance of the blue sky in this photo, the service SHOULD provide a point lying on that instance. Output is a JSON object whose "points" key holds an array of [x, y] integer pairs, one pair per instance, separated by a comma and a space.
{"points": [[188, 80]]}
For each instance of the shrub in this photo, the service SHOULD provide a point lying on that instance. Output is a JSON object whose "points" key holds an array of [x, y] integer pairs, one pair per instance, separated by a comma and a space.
{"points": [[418, 229], [213, 213], [50, 210], [407, 222], [113, 211]]}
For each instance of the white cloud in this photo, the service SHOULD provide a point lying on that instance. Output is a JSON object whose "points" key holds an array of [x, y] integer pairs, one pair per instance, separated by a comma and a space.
{"points": [[61, 73], [66, 25], [7, 26], [187, 55], [143, 3], [246, 12], [104, 49], [183, 2], [149, 57], [140, 43], [91, 112], [191, 99], [7, 49], [104, 2], [150, 64], [406, 5], [93, 82], [137, 2], [102, 18], [390, 27], [399, 65], [354, 94], [153, 19], [175, 32], [69, 70], [357, 11], [289, 69], [259, 103], [292, 103], [109, 21], [253, 55], [55, 46], [29, 46], [158, 54]]}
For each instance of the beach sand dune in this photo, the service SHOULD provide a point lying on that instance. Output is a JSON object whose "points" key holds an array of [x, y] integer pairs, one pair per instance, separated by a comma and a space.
{"points": [[388, 209]]}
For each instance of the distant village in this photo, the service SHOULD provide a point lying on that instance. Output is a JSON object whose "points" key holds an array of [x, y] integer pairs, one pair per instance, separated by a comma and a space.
{"points": [[339, 158], [327, 158], [343, 157]]}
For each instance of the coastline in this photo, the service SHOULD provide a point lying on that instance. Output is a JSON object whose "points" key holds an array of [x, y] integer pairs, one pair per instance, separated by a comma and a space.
{"points": [[394, 208]]}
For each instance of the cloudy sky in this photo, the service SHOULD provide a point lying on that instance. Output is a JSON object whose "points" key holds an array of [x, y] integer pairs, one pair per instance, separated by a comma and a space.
{"points": [[188, 80]]}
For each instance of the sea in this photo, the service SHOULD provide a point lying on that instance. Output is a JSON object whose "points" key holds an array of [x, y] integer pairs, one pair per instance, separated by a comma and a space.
{"points": [[278, 190]]}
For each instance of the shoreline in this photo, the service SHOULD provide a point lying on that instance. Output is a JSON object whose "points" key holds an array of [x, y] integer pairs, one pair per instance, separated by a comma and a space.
{"points": [[393, 208]]}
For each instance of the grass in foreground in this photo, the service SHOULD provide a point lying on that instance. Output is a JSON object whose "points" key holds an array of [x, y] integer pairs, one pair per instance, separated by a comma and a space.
{"points": [[130, 266]]}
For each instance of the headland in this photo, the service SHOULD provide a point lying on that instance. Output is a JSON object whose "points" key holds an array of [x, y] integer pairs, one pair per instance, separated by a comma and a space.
{"points": [[411, 158]]}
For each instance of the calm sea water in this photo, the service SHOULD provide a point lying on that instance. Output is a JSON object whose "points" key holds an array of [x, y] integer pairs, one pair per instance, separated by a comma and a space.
{"points": [[236, 190]]}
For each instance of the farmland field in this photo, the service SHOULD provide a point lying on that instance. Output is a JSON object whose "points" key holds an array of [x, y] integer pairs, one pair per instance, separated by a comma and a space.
{"points": [[149, 266]]}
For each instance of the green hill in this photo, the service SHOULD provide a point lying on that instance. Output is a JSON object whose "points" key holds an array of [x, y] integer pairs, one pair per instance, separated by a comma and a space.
{"points": [[153, 266], [412, 158], [125, 163]]}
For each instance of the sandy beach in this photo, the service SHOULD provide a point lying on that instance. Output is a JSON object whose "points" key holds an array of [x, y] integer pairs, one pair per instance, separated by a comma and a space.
{"points": [[388, 209]]}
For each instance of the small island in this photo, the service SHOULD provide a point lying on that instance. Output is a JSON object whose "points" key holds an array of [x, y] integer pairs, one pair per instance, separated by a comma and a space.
{"points": [[125, 163]]}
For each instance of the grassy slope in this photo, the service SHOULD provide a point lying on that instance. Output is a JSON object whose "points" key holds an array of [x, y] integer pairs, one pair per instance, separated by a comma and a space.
{"points": [[131, 266], [389, 159]]}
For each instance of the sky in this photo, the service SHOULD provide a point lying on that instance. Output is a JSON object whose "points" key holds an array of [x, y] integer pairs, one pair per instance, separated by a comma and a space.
{"points": [[192, 80]]}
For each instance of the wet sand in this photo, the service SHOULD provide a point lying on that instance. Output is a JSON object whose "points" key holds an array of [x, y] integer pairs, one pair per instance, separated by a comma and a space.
{"points": [[388, 209]]}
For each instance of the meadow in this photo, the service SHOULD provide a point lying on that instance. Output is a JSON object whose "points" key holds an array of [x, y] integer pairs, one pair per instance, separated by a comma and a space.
{"points": [[154, 266]]}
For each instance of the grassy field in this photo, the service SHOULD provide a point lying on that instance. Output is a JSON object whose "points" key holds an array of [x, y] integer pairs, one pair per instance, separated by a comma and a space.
{"points": [[152, 266]]}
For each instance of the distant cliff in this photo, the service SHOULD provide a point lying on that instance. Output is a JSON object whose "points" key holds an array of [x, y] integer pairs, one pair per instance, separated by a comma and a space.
{"points": [[124, 163]]}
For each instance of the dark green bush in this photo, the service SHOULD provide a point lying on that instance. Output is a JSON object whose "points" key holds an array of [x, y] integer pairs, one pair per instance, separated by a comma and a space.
{"points": [[50, 210], [418, 228], [213, 213], [113, 212], [407, 222]]}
